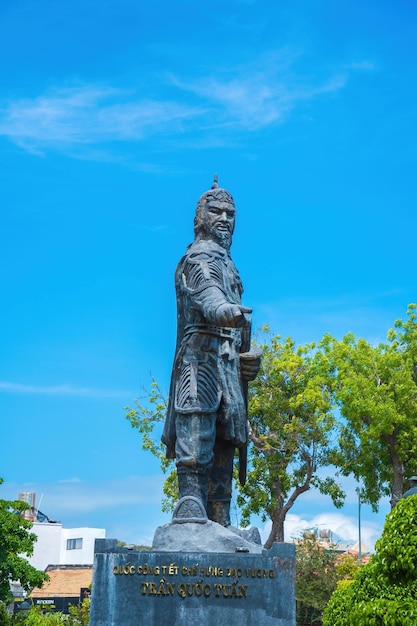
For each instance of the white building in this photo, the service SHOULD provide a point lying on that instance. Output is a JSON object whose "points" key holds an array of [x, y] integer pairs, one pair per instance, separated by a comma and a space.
{"points": [[57, 545], [63, 546]]}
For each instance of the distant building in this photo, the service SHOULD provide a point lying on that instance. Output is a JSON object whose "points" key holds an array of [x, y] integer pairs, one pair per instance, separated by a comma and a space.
{"points": [[325, 538], [66, 554], [57, 545], [63, 546], [67, 584], [363, 554], [30, 498]]}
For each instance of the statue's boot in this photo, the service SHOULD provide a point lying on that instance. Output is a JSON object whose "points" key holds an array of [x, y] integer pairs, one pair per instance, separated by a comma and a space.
{"points": [[219, 511], [191, 483], [220, 483]]}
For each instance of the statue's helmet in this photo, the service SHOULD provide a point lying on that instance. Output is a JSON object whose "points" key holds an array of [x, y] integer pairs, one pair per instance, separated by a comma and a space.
{"points": [[215, 193]]}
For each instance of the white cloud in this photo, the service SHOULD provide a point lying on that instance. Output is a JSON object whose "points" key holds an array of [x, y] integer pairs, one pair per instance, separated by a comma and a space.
{"points": [[343, 527], [66, 390], [261, 94], [131, 534], [132, 490], [314, 510], [75, 119], [128, 508], [77, 496], [88, 114]]}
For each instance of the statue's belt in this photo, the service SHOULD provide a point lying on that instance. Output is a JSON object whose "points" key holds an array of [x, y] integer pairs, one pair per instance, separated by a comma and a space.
{"points": [[207, 329]]}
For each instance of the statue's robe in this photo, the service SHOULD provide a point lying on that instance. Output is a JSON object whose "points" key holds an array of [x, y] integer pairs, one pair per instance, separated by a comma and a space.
{"points": [[206, 371]]}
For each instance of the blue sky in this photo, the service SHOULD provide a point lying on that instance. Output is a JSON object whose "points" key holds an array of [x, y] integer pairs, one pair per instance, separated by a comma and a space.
{"points": [[114, 116]]}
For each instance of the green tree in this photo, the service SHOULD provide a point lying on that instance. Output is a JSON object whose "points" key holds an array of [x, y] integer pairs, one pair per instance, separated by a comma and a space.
{"points": [[377, 395], [16, 543], [41, 617], [383, 592], [316, 578], [79, 615], [4, 616], [347, 567], [319, 567], [291, 429]]}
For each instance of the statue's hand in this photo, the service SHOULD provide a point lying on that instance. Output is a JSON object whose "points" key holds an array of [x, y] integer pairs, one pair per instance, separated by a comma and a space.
{"points": [[250, 362], [233, 315]]}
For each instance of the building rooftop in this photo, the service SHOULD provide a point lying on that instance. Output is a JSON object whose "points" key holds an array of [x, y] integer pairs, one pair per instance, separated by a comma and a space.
{"points": [[65, 580]]}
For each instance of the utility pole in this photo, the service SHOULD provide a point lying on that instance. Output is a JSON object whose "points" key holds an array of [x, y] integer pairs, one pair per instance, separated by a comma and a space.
{"points": [[358, 491]]}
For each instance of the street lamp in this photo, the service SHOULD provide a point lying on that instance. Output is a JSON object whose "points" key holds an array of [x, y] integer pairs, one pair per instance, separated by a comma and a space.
{"points": [[358, 491]]}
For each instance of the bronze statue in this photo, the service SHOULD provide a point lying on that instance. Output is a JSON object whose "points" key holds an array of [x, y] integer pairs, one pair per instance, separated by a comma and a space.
{"points": [[207, 413]]}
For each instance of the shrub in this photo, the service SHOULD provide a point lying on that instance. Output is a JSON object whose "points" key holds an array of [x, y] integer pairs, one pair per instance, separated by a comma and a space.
{"points": [[384, 592]]}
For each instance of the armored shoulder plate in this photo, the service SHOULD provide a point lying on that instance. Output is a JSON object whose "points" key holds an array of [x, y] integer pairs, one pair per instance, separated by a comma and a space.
{"points": [[204, 266]]}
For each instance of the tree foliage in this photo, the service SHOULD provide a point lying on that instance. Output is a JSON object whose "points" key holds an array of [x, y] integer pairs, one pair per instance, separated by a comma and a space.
{"points": [[4, 616], [38, 616], [16, 543], [319, 567], [377, 395], [291, 431], [383, 592], [79, 614], [346, 405], [316, 579]]}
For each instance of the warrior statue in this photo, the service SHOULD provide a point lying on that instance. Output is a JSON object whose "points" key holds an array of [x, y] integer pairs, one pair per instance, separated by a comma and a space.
{"points": [[207, 413]]}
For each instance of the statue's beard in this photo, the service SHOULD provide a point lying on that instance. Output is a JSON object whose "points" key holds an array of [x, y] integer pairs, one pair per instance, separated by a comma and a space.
{"points": [[219, 231], [222, 236]]}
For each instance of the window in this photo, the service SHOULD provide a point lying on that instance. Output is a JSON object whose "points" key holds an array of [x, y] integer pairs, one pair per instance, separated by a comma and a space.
{"points": [[74, 544]]}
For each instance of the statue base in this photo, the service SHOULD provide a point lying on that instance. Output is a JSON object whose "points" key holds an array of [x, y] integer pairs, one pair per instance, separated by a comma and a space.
{"points": [[172, 587], [191, 531]]}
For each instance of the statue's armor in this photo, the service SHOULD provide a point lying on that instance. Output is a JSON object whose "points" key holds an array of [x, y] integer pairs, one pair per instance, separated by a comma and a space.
{"points": [[206, 372]]}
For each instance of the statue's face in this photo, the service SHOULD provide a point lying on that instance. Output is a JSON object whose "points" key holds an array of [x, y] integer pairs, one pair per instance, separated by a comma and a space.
{"points": [[219, 221]]}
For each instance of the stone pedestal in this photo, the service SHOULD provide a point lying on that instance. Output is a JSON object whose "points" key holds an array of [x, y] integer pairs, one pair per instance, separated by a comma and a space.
{"points": [[163, 588]]}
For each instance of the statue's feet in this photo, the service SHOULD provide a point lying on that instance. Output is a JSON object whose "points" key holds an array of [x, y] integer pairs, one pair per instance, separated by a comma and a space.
{"points": [[190, 509]]}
